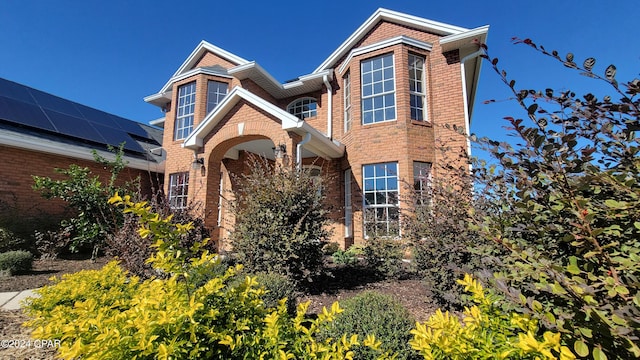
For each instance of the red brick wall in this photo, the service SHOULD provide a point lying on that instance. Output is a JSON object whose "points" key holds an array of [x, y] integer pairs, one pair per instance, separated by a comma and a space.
{"points": [[18, 167]]}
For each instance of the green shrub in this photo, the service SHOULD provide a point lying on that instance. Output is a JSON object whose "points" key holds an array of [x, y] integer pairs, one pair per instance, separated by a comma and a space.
{"points": [[9, 241], [279, 221], [277, 287], [347, 257], [15, 262], [372, 313], [106, 314], [330, 248], [384, 256]]}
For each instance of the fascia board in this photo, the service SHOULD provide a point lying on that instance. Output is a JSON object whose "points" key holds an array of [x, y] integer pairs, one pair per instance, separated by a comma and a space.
{"points": [[37, 144], [449, 42], [319, 143], [383, 44], [254, 66], [391, 16]]}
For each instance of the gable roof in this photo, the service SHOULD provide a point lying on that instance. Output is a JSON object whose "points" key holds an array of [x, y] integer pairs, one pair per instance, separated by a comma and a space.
{"points": [[393, 17], [35, 120], [187, 69], [319, 143]]}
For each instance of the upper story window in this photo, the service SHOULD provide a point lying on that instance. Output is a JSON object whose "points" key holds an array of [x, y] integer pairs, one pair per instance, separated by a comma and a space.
{"points": [[378, 89], [185, 110], [347, 101], [303, 108], [417, 90], [178, 190], [216, 91], [381, 211]]}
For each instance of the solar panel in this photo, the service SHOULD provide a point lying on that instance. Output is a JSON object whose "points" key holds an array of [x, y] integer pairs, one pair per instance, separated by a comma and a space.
{"points": [[15, 91], [115, 137], [73, 126], [131, 127], [34, 108], [98, 116], [57, 104], [22, 113]]}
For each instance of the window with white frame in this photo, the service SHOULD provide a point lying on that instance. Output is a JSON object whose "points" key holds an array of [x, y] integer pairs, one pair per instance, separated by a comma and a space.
{"points": [[216, 91], [421, 180], [378, 89], [417, 91], [303, 108], [380, 202], [348, 209], [185, 110], [178, 190], [347, 101]]}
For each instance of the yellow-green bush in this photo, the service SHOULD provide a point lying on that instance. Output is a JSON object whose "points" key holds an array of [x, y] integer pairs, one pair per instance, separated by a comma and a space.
{"points": [[106, 314], [486, 332]]}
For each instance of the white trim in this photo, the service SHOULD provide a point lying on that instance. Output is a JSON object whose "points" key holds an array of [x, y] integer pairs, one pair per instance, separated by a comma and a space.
{"points": [[394, 17], [185, 70], [450, 42], [203, 47], [383, 44], [254, 71], [37, 144]]}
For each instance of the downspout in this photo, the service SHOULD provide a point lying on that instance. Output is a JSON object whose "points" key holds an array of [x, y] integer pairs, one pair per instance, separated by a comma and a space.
{"points": [[305, 140], [467, 121], [325, 78]]}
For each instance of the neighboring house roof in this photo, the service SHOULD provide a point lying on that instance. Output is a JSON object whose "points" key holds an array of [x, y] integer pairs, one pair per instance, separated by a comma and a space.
{"points": [[319, 143], [34, 120]]}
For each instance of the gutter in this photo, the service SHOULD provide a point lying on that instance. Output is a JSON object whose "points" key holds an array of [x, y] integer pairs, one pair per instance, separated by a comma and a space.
{"points": [[325, 79]]}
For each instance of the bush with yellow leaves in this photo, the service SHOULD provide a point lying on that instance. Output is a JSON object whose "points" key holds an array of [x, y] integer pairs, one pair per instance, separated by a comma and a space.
{"points": [[486, 332], [191, 311]]}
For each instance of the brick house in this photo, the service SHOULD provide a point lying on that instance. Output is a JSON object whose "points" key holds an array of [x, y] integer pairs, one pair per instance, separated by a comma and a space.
{"points": [[40, 132], [368, 116]]}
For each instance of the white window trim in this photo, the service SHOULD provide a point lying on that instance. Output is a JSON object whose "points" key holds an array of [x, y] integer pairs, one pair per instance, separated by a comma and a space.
{"points": [[365, 207], [179, 125], [348, 104], [348, 206], [422, 94], [218, 94], [395, 90], [173, 187]]}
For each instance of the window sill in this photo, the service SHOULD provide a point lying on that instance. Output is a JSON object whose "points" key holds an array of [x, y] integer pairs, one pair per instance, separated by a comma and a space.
{"points": [[421, 123]]}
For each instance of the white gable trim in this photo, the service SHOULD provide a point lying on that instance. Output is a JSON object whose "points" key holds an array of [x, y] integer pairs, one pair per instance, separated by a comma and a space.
{"points": [[186, 69], [200, 50], [456, 41], [394, 17], [383, 44]]}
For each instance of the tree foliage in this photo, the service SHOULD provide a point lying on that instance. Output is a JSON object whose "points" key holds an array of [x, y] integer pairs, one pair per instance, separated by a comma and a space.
{"points": [[86, 197], [569, 200]]}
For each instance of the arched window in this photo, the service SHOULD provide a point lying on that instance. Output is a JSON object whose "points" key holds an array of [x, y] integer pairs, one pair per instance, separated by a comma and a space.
{"points": [[303, 108]]}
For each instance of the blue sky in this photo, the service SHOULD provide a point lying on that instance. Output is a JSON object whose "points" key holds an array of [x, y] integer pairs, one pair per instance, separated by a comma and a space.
{"points": [[111, 54]]}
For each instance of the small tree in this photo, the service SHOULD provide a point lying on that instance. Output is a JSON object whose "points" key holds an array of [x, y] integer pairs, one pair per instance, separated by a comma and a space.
{"points": [[570, 209], [87, 197], [279, 221]]}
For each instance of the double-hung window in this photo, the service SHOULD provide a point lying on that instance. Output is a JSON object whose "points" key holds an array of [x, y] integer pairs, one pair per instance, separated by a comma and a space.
{"points": [[178, 190], [381, 212], [378, 89], [216, 91], [422, 181], [417, 91], [185, 110]]}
